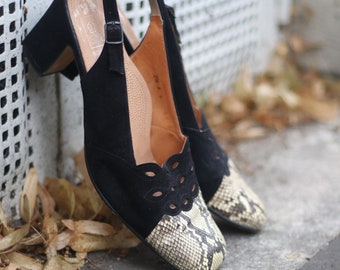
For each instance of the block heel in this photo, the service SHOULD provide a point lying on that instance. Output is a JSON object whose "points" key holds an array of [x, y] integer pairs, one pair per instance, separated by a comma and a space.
{"points": [[48, 46]]}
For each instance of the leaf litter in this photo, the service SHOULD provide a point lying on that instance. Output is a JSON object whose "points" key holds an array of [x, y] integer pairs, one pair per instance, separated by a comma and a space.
{"points": [[61, 223], [285, 95]]}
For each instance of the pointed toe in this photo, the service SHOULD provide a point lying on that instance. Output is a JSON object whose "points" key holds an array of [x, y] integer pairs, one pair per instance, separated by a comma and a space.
{"points": [[190, 240], [236, 203]]}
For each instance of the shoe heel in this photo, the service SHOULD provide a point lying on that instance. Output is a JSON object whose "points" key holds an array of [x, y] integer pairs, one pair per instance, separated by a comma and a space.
{"points": [[48, 46]]}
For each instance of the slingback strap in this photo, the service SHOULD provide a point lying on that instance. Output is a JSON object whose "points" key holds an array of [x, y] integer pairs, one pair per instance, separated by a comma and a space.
{"points": [[114, 36]]}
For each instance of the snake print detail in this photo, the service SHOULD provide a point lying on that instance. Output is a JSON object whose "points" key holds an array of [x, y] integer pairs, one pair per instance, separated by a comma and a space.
{"points": [[190, 240], [237, 203]]}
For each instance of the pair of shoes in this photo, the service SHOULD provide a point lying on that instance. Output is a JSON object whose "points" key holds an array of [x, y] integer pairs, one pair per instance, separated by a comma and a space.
{"points": [[136, 155], [223, 189]]}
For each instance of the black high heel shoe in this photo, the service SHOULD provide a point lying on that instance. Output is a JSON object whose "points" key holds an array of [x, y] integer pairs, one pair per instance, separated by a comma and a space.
{"points": [[223, 189], [136, 155]]}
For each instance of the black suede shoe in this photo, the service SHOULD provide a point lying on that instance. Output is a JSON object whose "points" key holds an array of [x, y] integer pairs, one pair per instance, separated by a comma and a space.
{"points": [[224, 190], [136, 155]]}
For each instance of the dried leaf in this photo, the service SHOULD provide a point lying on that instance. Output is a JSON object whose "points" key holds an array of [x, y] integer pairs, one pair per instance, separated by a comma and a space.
{"points": [[81, 255], [79, 160], [29, 195], [127, 238], [59, 262], [6, 229], [266, 96], [90, 227], [47, 202], [32, 240], [320, 110], [62, 192], [50, 228], [248, 129], [24, 262], [88, 203], [58, 242], [12, 266], [14, 237], [290, 99], [233, 107], [90, 242]]}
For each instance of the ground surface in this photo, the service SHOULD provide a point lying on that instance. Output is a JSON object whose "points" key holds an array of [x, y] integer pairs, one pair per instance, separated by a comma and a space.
{"points": [[297, 174]]}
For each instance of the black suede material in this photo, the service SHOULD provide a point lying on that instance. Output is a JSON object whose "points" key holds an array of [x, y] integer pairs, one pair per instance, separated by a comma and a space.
{"points": [[178, 81], [211, 162], [106, 112], [128, 190]]}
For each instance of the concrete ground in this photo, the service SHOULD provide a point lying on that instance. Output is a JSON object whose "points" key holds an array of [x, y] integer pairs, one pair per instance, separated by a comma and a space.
{"points": [[297, 174]]}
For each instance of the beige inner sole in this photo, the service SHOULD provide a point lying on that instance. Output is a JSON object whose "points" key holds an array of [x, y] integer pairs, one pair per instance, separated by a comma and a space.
{"points": [[145, 104]]}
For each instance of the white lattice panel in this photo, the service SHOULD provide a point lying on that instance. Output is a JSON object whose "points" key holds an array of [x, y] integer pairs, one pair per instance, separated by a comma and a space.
{"points": [[15, 148], [26, 112], [218, 37]]}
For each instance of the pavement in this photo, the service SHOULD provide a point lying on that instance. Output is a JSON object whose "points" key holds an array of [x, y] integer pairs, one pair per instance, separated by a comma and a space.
{"points": [[296, 172]]}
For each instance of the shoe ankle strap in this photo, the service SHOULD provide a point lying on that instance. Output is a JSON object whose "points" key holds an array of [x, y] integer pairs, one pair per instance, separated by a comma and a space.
{"points": [[114, 36]]}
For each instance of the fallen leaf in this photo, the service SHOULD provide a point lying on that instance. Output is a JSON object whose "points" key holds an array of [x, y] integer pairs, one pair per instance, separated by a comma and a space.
{"points": [[90, 227], [24, 262], [79, 160], [62, 192], [13, 237], [47, 202], [233, 107], [29, 195], [266, 96], [58, 262], [90, 242], [58, 242], [248, 129], [50, 228], [320, 110], [290, 99], [3, 221], [88, 203]]}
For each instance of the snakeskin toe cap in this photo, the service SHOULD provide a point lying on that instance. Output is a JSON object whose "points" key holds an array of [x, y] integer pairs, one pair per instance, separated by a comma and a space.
{"points": [[235, 202], [189, 240]]}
